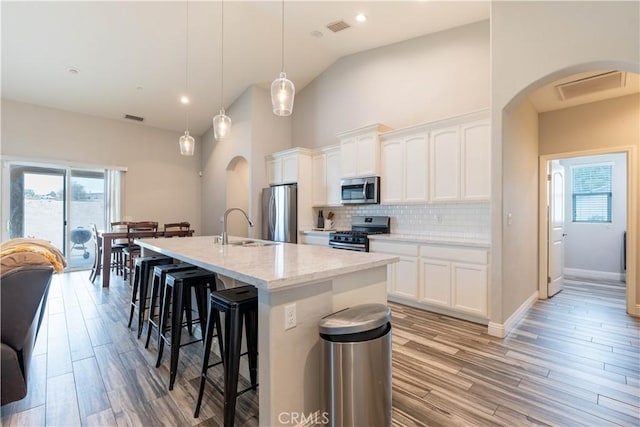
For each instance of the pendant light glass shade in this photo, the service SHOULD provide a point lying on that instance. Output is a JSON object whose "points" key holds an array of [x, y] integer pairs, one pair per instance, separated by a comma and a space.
{"points": [[283, 91], [187, 144], [221, 122], [221, 125]]}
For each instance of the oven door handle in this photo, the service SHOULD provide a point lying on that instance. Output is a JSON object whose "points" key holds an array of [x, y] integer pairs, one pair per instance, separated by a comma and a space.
{"points": [[364, 191], [348, 246]]}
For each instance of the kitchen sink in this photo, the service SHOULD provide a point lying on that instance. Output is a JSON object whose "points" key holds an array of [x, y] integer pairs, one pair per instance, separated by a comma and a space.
{"points": [[251, 243]]}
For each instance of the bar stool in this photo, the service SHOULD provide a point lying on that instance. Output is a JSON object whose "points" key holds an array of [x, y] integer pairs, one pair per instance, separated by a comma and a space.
{"points": [[177, 288], [237, 304], [157, 295], [139, 292]]}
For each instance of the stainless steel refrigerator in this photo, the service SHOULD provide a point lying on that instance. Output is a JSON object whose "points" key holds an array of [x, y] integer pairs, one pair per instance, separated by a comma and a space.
{"points": [[280, 213]]}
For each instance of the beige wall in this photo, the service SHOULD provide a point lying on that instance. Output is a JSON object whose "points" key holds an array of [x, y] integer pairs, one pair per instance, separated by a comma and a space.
{"points": [[534, 43], [255, 132], [423, 79], [610, 123], [237, 187], [520, 277], [161, 184], [216, 157], [606, 124]]}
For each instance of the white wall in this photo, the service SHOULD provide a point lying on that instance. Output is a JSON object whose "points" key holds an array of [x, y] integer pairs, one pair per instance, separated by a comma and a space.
{"points": [[597, 246], [238, 196], [216, 157], [161, 184], [255, 133], [534, 43], [423, 79]]}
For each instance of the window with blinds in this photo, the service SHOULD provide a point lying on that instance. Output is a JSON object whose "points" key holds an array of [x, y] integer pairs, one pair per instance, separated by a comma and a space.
{"points": [[591, 188]]}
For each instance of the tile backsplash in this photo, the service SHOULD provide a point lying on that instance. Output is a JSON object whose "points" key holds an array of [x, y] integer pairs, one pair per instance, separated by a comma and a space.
{"points": [[454, 220]]}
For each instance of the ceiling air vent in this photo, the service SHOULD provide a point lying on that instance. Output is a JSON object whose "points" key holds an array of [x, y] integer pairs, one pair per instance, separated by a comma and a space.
{"points": [[586, 86], [134, 118], [338, 26]]}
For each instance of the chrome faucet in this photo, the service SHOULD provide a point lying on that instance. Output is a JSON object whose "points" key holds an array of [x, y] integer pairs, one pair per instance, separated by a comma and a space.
{"points": [[225, 237]]}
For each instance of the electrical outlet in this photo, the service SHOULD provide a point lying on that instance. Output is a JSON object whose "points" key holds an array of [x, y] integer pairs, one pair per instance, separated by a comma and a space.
{"points": [[289, 316]]}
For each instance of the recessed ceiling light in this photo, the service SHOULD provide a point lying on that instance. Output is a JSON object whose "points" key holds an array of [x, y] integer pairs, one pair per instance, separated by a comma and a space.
{"points": [[184, 99], [361, 17], [317, 34], [73, 70], [139, 88]]}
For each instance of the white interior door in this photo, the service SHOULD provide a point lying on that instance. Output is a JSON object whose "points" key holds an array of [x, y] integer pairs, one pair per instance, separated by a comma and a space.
{"points": [[556, 229]]}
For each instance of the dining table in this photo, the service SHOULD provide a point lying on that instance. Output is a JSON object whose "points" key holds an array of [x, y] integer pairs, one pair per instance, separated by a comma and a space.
{"points": [[108, 237]]}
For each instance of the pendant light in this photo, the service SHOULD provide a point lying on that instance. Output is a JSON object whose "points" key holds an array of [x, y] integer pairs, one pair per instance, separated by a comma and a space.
{"points": [[282, 89], [221, 122], [187, 143]]}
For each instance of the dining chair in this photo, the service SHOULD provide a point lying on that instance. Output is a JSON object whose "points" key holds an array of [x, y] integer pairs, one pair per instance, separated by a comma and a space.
{"points": [[135, 230], [117, 256], [180, 229]]}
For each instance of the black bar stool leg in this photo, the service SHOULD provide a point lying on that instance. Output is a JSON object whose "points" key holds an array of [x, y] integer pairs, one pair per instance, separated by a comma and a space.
{"points": [[212, 321], [162, 327], [134, 294], [176, 331], [252, 346], [233, 326], [142, 295], [156, 288]]}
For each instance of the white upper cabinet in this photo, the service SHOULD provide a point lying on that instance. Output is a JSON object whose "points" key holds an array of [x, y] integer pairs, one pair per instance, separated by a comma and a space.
{"points": [[476, 161], [319, 179], [445, 164], [416, 153], [284, 167], [326, 177], [460, 159], [360, 151], [404, 168], [392, 176], [333, 175]]}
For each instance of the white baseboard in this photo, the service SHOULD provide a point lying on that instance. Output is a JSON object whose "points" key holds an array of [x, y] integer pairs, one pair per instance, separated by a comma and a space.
{"points": [[594, 274], [501, 330]]}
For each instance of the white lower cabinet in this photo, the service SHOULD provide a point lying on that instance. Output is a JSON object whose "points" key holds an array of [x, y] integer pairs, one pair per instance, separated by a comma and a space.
{"points": [[469, 283], [436, 282], [453, 279], [403, 277], [315, 239]]}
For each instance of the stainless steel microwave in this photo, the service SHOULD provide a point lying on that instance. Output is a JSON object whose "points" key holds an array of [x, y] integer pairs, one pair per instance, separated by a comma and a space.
{"points": [[360, 190]]}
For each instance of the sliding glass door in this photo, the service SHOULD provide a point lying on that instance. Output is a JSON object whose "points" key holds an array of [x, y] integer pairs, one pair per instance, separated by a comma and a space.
{"points": [[58, 205]]}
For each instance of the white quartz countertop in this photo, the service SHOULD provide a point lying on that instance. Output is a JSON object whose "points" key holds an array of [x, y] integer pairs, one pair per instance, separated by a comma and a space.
{"points": [[318, 232], [266, 267], [430, 240]]}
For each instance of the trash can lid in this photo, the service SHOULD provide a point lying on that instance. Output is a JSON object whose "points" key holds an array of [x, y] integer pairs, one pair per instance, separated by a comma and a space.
{"points": [[361, 318]]}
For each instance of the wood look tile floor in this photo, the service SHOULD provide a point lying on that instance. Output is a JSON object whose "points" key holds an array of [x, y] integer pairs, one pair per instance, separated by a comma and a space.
{"points": [[574, 360]]}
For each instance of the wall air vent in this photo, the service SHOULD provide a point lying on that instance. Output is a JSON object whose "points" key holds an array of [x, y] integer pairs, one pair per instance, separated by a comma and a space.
{"points": [[134, 118], [338, 26], [589, 85]]}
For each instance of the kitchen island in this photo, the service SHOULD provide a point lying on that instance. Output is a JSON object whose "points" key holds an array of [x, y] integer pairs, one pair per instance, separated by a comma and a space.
{"points": [[318, 280]]}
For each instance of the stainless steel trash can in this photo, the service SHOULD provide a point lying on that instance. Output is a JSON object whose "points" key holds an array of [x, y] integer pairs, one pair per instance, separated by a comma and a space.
{"points": [[356, 366]]}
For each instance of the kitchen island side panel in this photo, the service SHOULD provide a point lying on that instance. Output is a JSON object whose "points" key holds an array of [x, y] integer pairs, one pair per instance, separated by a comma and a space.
{"points": [[291, 386]]}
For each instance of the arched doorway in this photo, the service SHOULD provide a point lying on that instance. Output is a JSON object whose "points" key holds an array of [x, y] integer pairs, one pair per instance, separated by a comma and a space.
{"points": [[237, 190], [513, 133]]}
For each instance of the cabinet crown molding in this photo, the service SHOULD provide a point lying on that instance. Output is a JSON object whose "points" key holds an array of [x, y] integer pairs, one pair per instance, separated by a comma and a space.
{"points": [[376, 127], [288, 151], [427, 126]]}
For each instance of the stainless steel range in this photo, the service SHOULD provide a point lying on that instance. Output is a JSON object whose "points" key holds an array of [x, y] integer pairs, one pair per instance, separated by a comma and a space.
{"points": [[361, 227]]}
